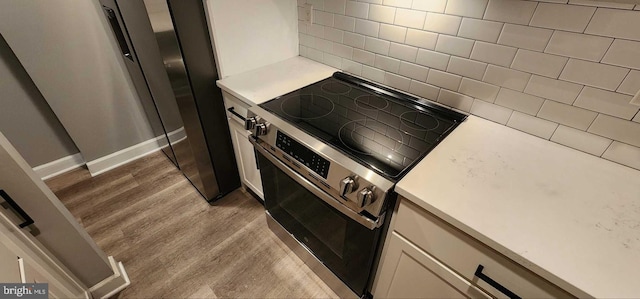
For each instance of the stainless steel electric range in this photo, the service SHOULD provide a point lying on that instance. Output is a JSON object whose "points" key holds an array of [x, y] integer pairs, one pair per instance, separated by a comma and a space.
{"points": [[329, 156]]}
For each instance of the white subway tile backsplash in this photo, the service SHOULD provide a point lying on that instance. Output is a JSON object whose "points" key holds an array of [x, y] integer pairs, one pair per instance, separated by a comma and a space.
{"points": [[410, 18], [505, 77], [334, 35], [342, 51], [376, 45], [422, 39], [397, 82], [380, 13], [491, 112], [594, 74], [525, 37], [624, 154], [567, 115], [432, 59], [509, 11], [454, 45], [424, 90], [443, 79], [387, 63], [599, 3], [364, 57], [357, 9], [353, 39], [322, 18], [367, 27], [532, 125], [480, 30], [624, 53], [316, 30], [373, 74], [557, 90], [430, 5], [398, 3], [466, 8], [606, 102], [392, 33], [539, 63], [441, 23], [631, 83], [404, 52], [335, 6], [332, 60], [615, 23], [581, 140], [581, 46], [519, 101], [344, 23], [413, 71], [498, 59], [616, 129], [479, 90], [564, 17], [455, 100], [466, 68], [352, 67], [492, 53]]}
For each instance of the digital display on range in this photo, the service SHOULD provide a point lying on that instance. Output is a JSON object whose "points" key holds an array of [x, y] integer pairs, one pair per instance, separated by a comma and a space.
{"points": [[303, 155]]}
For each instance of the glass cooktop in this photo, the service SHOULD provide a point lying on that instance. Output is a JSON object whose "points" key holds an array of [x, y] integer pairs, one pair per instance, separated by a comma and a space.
{"points": [[378, 127]]}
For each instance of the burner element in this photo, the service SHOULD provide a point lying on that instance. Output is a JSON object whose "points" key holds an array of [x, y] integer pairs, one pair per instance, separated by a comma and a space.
{"points": [[363, 136], [307, 106], [419, 121], [371, 102], [335, 88]]}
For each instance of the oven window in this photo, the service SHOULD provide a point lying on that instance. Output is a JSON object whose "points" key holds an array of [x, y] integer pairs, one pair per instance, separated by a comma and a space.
{"points": [[323, 223], [342, 244]]}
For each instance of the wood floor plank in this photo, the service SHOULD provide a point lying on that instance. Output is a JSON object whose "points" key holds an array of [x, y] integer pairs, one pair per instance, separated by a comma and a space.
{"points": [[175, 245]]}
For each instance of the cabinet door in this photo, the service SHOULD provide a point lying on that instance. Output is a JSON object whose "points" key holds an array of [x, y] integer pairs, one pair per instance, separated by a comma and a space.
{"points": [[245, 155], [409, 272], [9, 267]]}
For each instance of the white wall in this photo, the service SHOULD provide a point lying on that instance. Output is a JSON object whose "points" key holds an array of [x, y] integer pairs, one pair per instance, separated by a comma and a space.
{"points": [[69, 52], [564, 71], [248, 34]]}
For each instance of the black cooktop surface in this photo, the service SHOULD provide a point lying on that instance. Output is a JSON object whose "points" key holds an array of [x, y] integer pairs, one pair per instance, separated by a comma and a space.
{"points": [[380, 128]]}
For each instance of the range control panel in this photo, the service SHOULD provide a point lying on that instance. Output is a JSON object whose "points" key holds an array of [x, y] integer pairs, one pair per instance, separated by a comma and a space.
{"points": [[303, 155]]}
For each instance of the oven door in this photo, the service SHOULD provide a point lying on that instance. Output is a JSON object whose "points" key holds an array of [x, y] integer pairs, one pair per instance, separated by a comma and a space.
{"points": [[336, 238]]}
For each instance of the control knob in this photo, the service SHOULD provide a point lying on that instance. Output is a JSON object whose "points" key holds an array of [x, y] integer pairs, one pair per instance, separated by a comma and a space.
{"points": [[260, 129], [366, 196], [250, 123], [347, 185]]}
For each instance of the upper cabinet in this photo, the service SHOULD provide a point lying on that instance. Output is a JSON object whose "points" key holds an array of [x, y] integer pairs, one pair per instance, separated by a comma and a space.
{"points": [[248, 34]]}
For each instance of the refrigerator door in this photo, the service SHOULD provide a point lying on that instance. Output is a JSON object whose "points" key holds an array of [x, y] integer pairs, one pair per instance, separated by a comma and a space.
{"points": [[179, 74]]}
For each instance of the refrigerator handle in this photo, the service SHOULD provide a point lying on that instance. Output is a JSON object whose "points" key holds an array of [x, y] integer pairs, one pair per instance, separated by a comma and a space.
{"points": [[117, 30], [27, 219]]}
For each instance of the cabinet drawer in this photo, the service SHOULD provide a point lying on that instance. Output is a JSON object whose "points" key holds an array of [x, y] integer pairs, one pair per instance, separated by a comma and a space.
{"points": [[237, 105], [463, 254]]}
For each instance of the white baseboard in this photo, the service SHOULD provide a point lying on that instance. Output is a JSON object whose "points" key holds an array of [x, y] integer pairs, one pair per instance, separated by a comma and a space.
{"points": [[62, 165], [112, 284], [126, 155]]}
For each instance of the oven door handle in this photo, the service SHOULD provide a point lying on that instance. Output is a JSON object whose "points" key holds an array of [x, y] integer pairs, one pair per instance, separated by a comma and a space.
{"points": [[368, 223]]}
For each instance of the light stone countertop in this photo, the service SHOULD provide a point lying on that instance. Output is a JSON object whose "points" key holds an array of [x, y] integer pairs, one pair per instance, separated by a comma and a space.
{"points": [[568, 216], [265, 83]]}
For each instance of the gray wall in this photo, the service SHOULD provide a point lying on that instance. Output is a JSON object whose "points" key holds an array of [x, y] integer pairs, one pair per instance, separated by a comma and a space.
{"points": [[25, 118], [69, 52]]}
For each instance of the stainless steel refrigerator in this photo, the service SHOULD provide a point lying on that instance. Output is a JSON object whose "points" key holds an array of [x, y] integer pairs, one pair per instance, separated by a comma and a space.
{"points": [[169, 55]]}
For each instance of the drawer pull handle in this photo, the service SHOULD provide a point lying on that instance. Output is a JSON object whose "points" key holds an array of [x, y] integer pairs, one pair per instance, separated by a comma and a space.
{"points": [[27, 220], [233, 111], [494, 283]]}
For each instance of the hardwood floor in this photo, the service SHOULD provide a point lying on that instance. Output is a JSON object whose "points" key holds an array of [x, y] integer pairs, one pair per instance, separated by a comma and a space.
{"points": [[174, 244]]}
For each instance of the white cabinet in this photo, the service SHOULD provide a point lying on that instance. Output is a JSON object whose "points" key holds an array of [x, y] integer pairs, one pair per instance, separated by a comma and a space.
{"points": [[245, 154], [9, 265], [427, 257]]}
